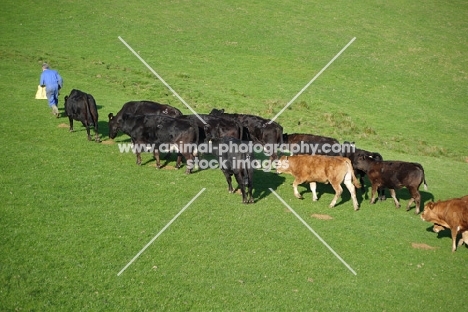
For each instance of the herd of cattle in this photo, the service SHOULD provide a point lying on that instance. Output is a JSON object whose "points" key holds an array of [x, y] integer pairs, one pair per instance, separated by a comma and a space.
{"points": [[147, 122]]}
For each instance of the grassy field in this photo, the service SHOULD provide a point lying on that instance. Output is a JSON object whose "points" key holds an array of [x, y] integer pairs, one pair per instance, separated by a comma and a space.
{"points": [[73, 213]]}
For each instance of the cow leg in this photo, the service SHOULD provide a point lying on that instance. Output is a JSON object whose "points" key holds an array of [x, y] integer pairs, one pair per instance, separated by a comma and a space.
{"points": [[352, 190], [96, 134], [338, 191], [393, 194], [373, 191], [157, 158], [250, 187], [464, 239], [240, 181], [454, 238], [313, 188], [188, 157], [179, 160], [70, 119], [381, 191], [88, 130], [229, 181], [416, 197], [138, 158], [296, 192]]}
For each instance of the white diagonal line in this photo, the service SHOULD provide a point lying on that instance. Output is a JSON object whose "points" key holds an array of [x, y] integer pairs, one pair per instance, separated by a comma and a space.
{"points": [[313, 232], [162, 80], [160, 232], [310, 82]]}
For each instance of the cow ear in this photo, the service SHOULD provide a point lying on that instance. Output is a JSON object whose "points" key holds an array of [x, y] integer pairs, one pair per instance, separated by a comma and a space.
{"points": [[111, 116]]}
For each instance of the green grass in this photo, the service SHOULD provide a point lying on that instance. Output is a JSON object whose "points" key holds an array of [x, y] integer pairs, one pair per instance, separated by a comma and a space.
{"points": [[73, 213]]}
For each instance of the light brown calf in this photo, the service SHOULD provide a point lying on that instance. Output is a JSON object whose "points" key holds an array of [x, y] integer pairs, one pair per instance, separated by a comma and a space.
{"points": [[452, 214], [323, 169]]}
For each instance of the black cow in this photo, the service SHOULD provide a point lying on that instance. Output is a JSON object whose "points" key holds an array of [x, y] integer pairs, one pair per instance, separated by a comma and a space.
{"points": [[350, 151], [393, 175], [311, 144], [215, 127], [152, 131], [82, 107], [140, 108], [237, 163], [256, 128]]}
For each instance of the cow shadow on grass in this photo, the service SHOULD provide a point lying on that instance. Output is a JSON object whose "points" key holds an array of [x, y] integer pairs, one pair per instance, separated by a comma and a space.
{"points": [[263, 181], [404, 196], [447, 234], [441, 234]]}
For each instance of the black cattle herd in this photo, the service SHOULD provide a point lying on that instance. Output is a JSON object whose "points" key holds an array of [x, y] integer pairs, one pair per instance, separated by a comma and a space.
{"points": [[147, 122]]}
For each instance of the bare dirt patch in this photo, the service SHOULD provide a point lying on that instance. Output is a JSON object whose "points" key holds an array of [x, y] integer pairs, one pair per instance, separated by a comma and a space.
{"points": [[321, 216], [62, 125], [422, 246], [108, 142]]}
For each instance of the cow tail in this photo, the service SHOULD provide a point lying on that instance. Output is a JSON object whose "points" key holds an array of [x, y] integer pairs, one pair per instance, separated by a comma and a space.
{"points": [[246, 173], [241, 130], [424, 179], [93, 112], [89, 112], [197, 134], [355, 180]]}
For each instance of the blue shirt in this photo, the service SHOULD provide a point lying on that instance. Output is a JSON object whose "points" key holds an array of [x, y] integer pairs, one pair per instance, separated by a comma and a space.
{"points": [[51, 79]]}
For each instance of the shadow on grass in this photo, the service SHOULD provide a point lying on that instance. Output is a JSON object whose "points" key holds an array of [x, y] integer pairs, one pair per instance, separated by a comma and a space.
{"points": [[441, 234], [323, 188], [263, 181]]}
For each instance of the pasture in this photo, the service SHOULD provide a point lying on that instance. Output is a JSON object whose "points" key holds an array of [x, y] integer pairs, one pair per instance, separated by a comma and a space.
{"points": [[73, 213]]}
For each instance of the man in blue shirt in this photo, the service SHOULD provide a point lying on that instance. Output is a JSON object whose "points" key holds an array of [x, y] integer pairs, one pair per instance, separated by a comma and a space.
{"points": [[53, 82]]}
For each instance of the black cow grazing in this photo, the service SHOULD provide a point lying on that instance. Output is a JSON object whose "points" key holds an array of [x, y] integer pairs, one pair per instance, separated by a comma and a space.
{"points": [[350, 151], [256, 128], [155, 130], [82, 107], [311, 144], [237, 163], [393, 175], [141, 108]]}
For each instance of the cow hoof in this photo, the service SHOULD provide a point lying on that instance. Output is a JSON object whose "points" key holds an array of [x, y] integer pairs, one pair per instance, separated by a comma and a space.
{"points": [[331, 206]]}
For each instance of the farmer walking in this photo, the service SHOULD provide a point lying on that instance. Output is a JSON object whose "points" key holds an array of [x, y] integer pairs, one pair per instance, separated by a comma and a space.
{"points": [[53, 82]]}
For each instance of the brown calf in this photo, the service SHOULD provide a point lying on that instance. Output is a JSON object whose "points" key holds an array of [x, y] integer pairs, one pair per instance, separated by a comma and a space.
{"points": [[393, 175], [322, 169], [452, 214]]}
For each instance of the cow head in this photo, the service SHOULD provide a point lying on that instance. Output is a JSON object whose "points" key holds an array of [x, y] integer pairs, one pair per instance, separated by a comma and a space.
{"points": [[208, 132], [113, 126], [428, 213], [283, 165], [217, 112], [362, 161]]}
